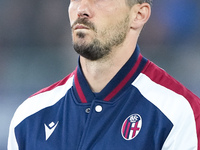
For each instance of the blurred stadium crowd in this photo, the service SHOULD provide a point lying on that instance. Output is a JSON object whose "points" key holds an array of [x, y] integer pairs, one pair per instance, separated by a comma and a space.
{"points": [[36, 49]]}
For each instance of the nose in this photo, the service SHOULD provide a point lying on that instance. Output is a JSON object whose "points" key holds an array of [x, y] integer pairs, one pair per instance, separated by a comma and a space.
{"points": [[84, 9]]}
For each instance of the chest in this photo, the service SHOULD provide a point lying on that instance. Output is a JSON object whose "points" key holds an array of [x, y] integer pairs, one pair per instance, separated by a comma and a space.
{"points": [[129, 122]]}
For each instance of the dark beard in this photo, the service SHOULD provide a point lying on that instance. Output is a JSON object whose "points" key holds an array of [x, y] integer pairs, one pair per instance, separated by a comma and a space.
{"points": [[92, 51], [97, 50]]}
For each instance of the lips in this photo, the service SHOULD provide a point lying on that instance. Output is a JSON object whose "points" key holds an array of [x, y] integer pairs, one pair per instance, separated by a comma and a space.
{"points": [[83, 23], [80, 26]]}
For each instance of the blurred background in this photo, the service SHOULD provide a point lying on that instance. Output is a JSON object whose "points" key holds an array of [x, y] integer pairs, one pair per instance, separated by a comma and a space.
{"points": [[36, 49]]}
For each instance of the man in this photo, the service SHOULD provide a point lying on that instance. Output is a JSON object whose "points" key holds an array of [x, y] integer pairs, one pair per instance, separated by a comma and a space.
{"points": [[115, 99]]}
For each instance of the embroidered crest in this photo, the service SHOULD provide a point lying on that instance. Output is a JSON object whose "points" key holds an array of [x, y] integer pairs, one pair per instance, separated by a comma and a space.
{"points": [[131, 127]]}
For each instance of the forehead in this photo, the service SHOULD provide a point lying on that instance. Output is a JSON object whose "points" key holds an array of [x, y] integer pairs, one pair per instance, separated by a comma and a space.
{"points": [[102, 4], [103, 1]]}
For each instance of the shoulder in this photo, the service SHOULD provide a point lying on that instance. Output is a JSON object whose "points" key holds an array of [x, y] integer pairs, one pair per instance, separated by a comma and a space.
{"points": [[164, 91], [158, 77], [178, 103], [155, 82], [43, 98], [65, 81], [38, 101]]}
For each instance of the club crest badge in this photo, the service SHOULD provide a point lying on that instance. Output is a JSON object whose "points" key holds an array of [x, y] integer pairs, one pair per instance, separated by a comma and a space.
{"points": [[131, 127]]}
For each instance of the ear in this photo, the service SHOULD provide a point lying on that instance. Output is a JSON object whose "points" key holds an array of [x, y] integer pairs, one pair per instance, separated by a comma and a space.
{"points": [[140, 14]]}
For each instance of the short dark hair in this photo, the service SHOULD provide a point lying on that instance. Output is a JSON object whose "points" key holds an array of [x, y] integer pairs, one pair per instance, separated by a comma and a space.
{"points": [[133, 2]]}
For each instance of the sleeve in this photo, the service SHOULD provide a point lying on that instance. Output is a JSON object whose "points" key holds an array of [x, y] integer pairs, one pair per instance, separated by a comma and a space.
{"points": [[12, 141], [183, 135], [180, 106]]}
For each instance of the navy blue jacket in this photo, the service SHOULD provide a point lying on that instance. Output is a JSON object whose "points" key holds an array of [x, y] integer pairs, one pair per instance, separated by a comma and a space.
{"points": [[141, 108]]}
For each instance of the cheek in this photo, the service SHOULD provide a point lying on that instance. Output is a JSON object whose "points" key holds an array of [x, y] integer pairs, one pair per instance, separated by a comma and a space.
{"points": [[72, 13]]}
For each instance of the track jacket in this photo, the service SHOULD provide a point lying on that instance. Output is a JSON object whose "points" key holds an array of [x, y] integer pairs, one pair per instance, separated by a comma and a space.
{"points": [[141, 108]]}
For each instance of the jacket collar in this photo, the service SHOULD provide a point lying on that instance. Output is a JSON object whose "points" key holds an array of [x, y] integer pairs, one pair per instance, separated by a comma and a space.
{"points": [[121, 81]]}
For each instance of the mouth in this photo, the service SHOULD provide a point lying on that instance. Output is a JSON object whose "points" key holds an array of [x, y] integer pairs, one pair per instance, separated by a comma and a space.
{"points": [[80, 26]]}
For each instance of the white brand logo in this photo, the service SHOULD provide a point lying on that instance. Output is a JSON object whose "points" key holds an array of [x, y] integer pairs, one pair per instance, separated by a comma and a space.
{"points": [[49, 129]]}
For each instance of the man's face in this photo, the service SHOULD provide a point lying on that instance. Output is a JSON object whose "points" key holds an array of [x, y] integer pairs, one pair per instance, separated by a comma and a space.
{"points": [[98, 26]]}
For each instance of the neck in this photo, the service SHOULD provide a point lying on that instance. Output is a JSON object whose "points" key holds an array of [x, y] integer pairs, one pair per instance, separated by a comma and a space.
{"points": [[98, 73]]}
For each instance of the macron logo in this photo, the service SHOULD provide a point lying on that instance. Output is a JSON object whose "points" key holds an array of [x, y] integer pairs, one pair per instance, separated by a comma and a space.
{"points": [[49, 129]]}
